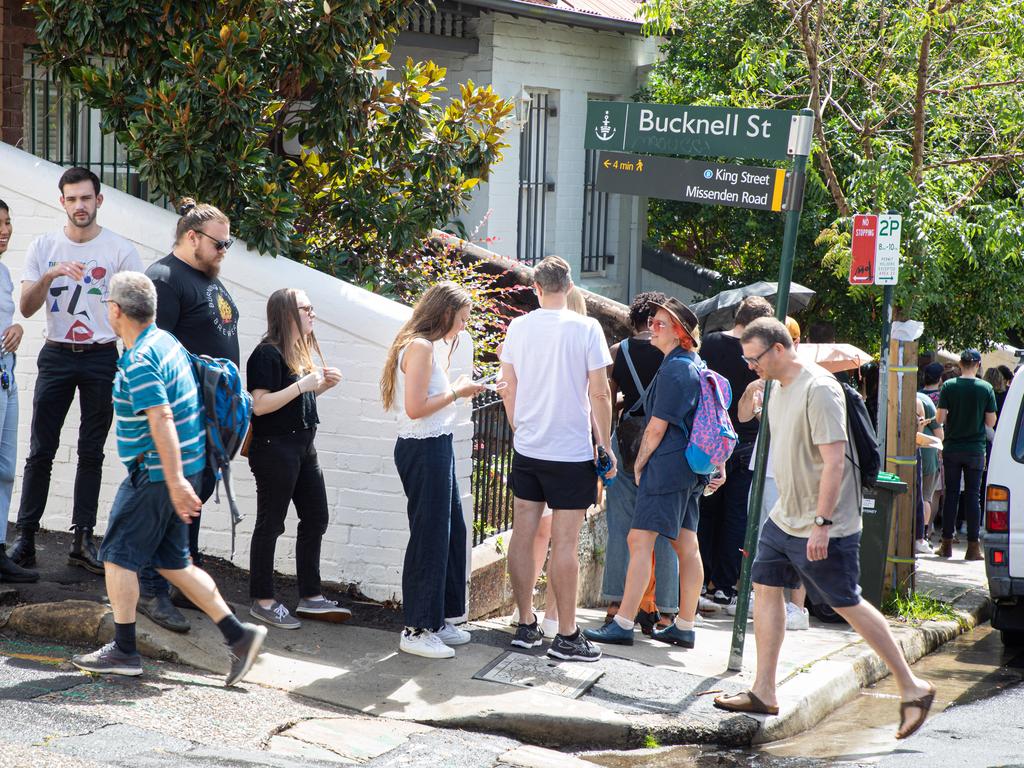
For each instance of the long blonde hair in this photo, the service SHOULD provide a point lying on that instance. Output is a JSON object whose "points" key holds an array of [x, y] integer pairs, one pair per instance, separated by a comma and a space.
{"points": [[432, 318], [284, 331]]}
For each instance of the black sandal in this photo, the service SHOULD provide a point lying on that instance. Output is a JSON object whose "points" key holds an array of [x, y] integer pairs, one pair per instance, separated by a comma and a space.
{"points": [[924, 704]]}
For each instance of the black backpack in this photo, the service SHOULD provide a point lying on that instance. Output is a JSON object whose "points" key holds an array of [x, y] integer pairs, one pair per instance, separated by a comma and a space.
{"points": [[867, 459]]}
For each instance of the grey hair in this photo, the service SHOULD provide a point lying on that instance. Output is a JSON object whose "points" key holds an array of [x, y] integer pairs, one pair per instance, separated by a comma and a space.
{"points": [[769, 330], [553, 274], [135, 294]]}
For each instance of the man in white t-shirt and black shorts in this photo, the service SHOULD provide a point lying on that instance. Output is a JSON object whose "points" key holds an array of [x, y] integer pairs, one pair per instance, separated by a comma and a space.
{"points": [[555, 362], [66, 274]]}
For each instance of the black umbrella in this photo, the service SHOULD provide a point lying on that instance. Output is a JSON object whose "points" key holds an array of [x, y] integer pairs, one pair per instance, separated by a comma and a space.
{"points": [[717, 312]]}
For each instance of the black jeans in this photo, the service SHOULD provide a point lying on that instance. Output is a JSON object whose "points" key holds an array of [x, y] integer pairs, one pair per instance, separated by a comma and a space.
{"points": [[287, 470], [434, 574], [723, 522], [152, 583], [971, 465], [61, 372]]}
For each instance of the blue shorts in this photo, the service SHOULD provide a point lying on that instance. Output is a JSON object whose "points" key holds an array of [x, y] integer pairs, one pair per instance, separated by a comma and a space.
{"points": [[781, 561], [667, 513], [143, 528]]}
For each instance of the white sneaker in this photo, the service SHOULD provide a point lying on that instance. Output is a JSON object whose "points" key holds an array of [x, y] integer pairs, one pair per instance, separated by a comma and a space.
{"points": [[549, 627], [452, 635], [796, 617], [422, 642], [706, 605], [922, 547]]}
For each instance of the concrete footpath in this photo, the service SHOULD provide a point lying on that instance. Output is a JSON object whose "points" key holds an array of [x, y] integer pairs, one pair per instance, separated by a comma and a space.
{"points": [[648, 693]]}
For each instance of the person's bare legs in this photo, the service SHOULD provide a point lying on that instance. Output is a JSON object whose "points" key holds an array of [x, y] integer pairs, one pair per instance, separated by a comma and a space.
{"points": [[564, 568], [691, 573], [638, 574], [872, 626], [198, 587], [540, 554], [521, 568], [769, 632], [798, 596], [123, 591]]}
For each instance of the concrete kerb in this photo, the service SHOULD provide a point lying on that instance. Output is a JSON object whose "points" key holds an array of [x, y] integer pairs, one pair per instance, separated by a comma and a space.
{"points": [[807, 696]]}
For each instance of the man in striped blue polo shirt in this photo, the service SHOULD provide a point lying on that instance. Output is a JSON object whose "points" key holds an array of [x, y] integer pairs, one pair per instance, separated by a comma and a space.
{"points": [[162, 441]]}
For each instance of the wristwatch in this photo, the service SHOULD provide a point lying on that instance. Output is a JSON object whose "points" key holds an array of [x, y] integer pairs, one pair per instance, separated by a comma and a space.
{"points": [[819, 520]]}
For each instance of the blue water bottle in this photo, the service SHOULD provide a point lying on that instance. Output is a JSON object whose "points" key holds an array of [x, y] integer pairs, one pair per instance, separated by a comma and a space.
{"points": [[604, 466]]}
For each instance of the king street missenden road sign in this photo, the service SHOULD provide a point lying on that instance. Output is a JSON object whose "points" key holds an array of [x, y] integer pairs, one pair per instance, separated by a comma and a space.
{"points": [[695, 181], [664, 129]]}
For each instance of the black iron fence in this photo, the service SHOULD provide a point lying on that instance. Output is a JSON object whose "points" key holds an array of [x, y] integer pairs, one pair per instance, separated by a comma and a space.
{"points": [[492, 460], [63, 130], [596, 257], [533, 183]]}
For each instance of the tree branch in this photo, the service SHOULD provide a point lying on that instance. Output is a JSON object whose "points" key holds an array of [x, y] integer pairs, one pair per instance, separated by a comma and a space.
{"points": [[917, 147], [975, 87], [1002, 158]]}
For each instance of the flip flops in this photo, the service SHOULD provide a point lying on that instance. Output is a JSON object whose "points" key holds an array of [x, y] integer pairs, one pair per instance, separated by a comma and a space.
{"points": [[923, 705], [745, 702]]}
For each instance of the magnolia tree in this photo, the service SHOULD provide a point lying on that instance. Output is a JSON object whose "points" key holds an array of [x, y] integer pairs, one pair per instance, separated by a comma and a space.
{"points": [[205, 95], [919, 109]]}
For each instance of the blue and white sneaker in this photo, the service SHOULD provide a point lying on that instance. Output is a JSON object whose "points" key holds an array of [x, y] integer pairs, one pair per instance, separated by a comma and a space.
{"points": [[610, 633]]}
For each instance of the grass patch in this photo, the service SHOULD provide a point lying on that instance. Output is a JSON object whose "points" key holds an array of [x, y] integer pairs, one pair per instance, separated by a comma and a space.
{"points": [[650, 742], [917, 608]]}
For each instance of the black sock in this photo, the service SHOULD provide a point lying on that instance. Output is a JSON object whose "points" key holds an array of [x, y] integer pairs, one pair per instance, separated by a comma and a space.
{"points": [[231, 628], [124, 637], [574, 635]]}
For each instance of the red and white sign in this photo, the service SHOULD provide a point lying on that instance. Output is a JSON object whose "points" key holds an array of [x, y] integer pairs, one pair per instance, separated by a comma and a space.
{"points": [[865, 239]]}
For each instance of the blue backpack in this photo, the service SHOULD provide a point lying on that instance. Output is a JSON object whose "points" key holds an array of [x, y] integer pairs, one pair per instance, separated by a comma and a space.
{"points": [[226, 413]]}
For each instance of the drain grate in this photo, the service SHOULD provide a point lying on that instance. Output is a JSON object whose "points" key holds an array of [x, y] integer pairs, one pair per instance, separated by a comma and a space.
{"points": [[540, 673]]}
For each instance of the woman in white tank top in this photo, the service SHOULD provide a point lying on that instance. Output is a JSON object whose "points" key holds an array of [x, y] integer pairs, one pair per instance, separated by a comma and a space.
{"points": [[415, 383]]}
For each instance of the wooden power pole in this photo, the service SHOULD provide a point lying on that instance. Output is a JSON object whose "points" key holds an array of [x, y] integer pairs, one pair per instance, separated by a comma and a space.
{"points": [[901, 459]]}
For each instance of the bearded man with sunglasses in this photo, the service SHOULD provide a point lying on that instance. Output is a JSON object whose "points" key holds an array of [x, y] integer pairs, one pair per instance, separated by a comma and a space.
{"points": [[195, 307]]}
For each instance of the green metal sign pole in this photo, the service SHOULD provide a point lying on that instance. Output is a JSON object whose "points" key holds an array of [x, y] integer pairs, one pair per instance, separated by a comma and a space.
{"points": [[802, 149]]}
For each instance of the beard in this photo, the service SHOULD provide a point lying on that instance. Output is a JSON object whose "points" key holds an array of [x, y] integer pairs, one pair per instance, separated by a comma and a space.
{"points": [[90, 218], [208, 266]]}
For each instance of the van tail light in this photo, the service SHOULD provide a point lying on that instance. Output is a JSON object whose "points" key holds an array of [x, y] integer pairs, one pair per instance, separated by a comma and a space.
{"points": [[997, 509]]}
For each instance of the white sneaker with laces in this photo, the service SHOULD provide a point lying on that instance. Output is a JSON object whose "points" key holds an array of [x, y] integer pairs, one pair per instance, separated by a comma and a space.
{"points": [[706, 605], [549, 627], [452, 635], [423, 642], [797, 618], [922, 547]]}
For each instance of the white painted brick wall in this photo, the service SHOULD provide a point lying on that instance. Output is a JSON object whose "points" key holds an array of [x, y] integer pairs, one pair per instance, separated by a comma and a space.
{"points": [[365, 543], [653, 282]]}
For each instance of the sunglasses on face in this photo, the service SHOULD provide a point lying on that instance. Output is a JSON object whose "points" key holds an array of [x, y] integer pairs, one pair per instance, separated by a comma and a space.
{"points": [[220, 245], [307, 308]]}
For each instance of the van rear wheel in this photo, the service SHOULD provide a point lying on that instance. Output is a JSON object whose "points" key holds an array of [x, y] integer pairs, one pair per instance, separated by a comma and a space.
{"points": [[1012, 638]]}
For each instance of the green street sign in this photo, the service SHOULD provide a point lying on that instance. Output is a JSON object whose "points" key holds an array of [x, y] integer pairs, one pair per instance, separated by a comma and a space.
{"points": [[694, 181], [668, 129]]}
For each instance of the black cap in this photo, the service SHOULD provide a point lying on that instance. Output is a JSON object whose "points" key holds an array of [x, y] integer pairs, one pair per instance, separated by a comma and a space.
{"points": [[682, 313]]}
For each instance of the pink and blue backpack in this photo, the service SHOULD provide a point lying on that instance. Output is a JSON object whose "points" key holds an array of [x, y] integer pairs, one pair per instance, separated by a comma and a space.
{"points": [[712, 436]]}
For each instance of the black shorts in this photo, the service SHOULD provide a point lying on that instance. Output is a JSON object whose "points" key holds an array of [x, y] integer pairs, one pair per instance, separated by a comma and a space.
{"points": [[559, 484]]}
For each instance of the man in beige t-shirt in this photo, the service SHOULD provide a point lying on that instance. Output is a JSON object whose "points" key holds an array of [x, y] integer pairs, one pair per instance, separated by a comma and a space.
{"points": [[813, 531]]}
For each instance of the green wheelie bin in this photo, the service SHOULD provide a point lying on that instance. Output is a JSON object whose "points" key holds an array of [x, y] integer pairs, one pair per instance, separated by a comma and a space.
{"points": [[877, 510]]}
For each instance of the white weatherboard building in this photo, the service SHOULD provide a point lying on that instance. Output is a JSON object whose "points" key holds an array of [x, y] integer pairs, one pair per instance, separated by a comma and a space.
{"points": [[550, 58]]}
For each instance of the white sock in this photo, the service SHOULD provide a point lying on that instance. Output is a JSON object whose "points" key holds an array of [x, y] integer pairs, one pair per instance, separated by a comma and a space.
{"points": [[624, 623], [682, 624]]}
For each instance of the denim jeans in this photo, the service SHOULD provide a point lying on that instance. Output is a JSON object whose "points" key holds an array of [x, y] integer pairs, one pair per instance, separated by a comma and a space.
{"points": [[434, 574], [61, 372], [287, 471], [620, 499], [8, 441], [723, 522], [971, 465], [152, 583]]}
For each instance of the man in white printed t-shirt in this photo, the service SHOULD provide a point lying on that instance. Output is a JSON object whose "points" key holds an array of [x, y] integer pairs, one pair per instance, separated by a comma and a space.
{"points": [[67, 273], [555, 362]]}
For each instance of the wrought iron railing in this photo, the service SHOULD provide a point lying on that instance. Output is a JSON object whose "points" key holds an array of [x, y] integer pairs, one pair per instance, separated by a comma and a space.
{"points": [[533, 183], [492, 460], [63, 130], [595, 255]]}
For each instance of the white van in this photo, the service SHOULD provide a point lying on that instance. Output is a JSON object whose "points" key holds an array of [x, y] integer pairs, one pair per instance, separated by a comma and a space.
{"points": [[1003, 540]]}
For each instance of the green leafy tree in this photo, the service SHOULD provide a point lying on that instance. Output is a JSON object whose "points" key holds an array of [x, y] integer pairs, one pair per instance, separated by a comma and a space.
{"points": [[918, 108], [204, 95]]}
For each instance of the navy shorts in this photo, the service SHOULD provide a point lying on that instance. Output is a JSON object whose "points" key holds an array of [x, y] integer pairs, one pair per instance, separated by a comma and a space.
{"points": [[559, 484], [143, 528], [781, 561], [667, 513]]}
